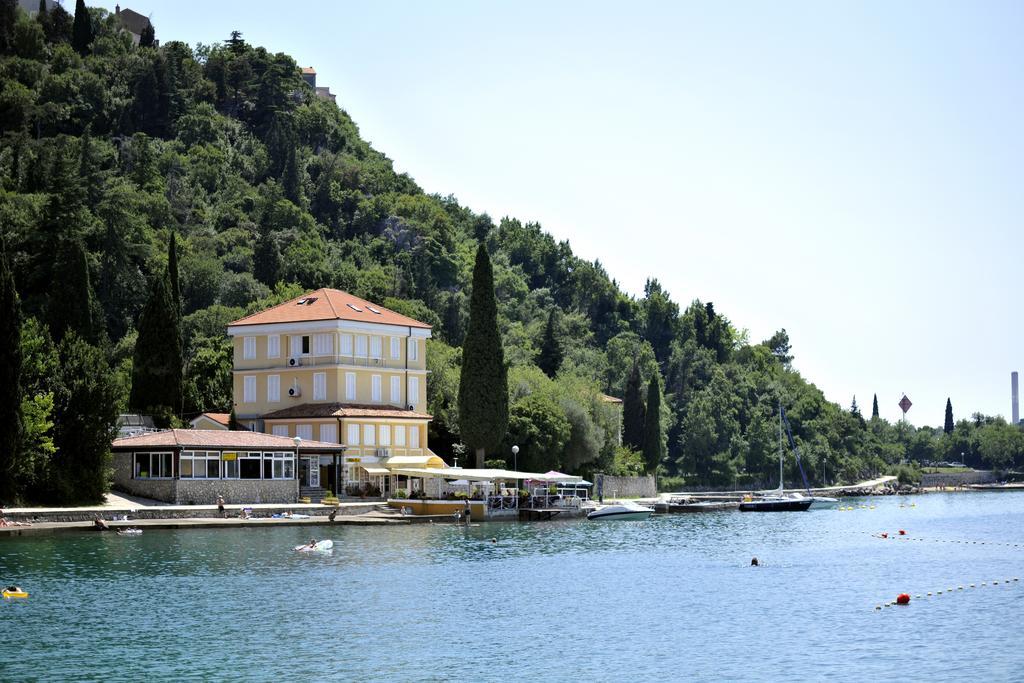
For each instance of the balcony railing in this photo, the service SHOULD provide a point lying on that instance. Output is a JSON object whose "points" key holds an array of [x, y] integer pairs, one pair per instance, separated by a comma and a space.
{"points": [[313, 361]]}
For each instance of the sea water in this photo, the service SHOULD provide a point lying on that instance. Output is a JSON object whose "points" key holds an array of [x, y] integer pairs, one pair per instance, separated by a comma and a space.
{"points": [[674, 596]]}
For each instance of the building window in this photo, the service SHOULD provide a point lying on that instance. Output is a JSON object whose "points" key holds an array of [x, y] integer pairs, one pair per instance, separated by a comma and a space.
{"points": [[376, 347], [346, 345], [329, 433], [320, 386], [322, 345], [304, 432], [396, 390], [199, 465], [153, 466], [375, 388], [399, 435], [350, 386], [231, 468], [396, 348], [248, 348], [414, 350], [369, 435], [249, 389], [279, 430], [385, 435], [414, 437], [414, 390], [249, 465], [299, 345], [273, 388], [353, 435], [274, 346], [360, 346], [278, 466]]}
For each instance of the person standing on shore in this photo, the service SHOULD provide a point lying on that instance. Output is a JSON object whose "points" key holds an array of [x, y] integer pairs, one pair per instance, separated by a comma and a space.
{"points": [[220, 505], [467, 513]]}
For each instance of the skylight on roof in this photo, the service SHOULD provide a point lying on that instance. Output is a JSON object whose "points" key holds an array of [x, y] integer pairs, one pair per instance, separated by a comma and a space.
{"points": [[300, 302], [373, 310], [354, 307]]}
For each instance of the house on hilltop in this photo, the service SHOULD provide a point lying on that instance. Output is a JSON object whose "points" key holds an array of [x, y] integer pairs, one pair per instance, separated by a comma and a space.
{"points": [[331, 367], [132, 21], [323, 92]]}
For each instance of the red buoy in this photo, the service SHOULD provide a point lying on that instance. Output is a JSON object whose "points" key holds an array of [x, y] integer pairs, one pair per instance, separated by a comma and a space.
{"points": [[885, 535], [903, 599], [902, 532]]}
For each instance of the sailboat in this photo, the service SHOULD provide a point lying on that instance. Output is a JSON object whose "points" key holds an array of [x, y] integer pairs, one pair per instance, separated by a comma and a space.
{"points": [[777, 500]]}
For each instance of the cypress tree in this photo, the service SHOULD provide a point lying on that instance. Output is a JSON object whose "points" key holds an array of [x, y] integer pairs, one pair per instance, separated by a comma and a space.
{"points": [[654, 441], [266, 259], [172, 272], [483, 382], [11, 423], [71, 302], [8, 18], [81, 32], [874, 408], [156, 373], [148, 36], [948, 427], [633, 416], [550, 357]]}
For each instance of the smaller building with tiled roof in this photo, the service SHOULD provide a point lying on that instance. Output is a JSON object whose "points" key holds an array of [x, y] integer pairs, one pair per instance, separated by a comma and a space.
{"points": [[211, 421], [196, 466], [326, 305]]}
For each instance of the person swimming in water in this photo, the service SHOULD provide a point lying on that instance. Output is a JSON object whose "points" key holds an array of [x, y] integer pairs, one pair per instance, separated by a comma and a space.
{"points": [[754, 563]]}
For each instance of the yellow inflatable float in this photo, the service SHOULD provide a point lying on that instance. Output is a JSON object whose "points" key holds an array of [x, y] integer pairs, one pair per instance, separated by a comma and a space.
{"points": [[13, 592]]}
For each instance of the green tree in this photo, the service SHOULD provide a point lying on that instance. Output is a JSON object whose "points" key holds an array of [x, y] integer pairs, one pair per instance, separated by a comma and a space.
{"points": [[8, 18], [172, 271], [654, 435], [148, 37], [157, 364], [874, 407], [633, 412], [267, 259], [11, 424], [72, 305], [483, 398], [85, 411], [948, 426], [550, 357], [81, 32]]}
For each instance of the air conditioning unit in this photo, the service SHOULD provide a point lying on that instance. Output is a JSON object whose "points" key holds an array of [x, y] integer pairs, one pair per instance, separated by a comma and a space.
{"points": [[376, 361], [294, 360], [295, 391]]}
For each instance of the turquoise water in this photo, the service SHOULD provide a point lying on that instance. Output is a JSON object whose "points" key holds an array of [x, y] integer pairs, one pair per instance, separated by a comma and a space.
{"points": [[672, 596]]}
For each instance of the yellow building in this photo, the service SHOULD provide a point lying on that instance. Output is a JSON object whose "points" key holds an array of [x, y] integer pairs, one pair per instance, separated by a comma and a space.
{"points": [[328, 366]]}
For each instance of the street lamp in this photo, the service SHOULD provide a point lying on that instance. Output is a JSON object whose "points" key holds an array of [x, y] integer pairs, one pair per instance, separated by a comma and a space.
{"points": [[962, 461], [515, 466]]}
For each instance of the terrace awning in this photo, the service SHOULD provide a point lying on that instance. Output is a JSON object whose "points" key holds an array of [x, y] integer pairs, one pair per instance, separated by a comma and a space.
{"points": [[375, 470]]}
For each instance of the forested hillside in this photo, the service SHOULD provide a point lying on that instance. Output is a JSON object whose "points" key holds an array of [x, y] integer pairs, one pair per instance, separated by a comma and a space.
{"points": [[109, 148]]}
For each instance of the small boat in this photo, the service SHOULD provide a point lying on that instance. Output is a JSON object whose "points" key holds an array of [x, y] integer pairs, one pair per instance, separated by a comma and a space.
{"points": [[321, 545], [627, 510], [777, 500], [775, 503]]}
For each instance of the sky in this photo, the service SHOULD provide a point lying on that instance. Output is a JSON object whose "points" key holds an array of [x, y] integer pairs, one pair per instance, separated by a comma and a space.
{"points": [[848, 171]]}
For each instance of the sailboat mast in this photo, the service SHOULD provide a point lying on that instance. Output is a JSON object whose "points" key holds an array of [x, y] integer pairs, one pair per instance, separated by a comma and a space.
{"points": [[781, 485]]}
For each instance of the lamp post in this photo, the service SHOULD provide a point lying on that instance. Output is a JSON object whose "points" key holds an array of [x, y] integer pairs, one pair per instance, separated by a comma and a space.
{"points": [[962, 461], [515, 466]]}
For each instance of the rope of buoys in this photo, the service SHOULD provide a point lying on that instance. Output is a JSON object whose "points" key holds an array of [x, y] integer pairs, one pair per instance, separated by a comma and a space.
{"points": [[903, 599]]}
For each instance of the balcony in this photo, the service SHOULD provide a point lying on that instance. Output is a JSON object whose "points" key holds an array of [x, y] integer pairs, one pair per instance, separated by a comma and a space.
{"points": [[346, 361]]}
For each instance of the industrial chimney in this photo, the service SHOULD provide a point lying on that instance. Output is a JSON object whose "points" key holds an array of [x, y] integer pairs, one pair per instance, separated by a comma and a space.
{"points": [[1015, 410]]}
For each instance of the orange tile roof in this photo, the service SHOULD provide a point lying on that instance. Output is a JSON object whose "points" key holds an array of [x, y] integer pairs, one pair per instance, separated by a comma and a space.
{"points": [[219, 418], [344, 410], [217, 438], [328, 304], [308, 70]]}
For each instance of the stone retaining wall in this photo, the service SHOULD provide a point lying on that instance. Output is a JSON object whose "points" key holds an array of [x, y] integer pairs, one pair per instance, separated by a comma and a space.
{"points": [[626, 487], [958, 478]]}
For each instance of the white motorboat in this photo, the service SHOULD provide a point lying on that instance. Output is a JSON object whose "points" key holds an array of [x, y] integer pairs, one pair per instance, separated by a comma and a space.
{"points": [[626, 510]]}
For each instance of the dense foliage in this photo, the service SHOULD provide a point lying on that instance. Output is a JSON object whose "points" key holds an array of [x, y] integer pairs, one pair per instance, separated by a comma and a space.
{"points": [[109, 149]]}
